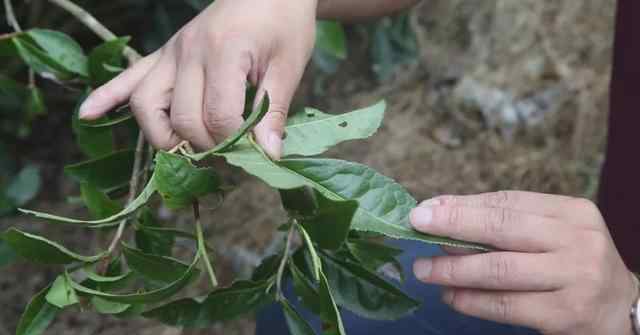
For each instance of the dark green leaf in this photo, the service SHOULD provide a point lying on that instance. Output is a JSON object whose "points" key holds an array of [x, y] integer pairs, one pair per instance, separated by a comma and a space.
{"points": [[224, 304], [12, 98], [180, 182], [62, 294], [312, 132], [37, 316], [113, 120], [152, 241], [106, 172], [251, 121], [39, 61], [152, 296], [330, 225], [330, 38], [316, 265], [7, 255], [267, 269], [62, 49], [373, 255], [40, 250], [94, 142], [305, 290], [330, 313], [364, 293], [140, 201], [24, 186], [393, 43], [99, 204], [153, 267], [35, 104], [106, 54], [299, 202], [297, 325]]}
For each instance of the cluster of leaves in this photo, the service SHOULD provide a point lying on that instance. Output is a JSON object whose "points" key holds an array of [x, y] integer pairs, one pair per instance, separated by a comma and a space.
{"points": [[336, 207]]}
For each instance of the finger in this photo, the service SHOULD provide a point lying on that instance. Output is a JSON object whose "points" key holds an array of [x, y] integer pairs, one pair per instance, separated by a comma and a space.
{"points": [[117, 91], [150, 104], [187, 103], [529, 309], [499, 227], [280, 81], [504, 271], [529, 202], [225, 87]]}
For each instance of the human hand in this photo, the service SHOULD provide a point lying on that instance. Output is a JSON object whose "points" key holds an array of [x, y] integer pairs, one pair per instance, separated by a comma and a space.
{"points": [[193, 88], [557, 270]]}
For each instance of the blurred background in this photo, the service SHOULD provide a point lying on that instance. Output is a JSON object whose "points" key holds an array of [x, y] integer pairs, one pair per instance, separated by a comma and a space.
{"points": [[483, 95]]}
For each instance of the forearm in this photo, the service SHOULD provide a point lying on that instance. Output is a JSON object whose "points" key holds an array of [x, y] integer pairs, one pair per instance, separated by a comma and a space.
{"points": [[358, 10]]}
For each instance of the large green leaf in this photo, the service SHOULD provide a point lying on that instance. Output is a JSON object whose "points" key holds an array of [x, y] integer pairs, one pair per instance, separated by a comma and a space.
{"points": [[24, 186], [373, 255], [37, 316], [180, 182], [330, 225], [384, 205], [62, 49], [249, 123], [108, 54], [94, 142], [40, 250], [105, 172], [151, 241], [62, 294], [312, 132], [140, 201], [39, 61], [153, 267], [297, 325], [99, 204], [224, 304], [331, 39], [364, 293], [152, 296]]}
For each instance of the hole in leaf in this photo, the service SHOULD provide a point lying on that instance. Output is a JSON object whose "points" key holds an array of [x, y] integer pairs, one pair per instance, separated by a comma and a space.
{"points": [[311, 114], [284, 135], [343, 124]]}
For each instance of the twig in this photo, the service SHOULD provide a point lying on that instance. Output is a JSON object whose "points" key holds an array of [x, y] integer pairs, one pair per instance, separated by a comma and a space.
{"points": [[283, 262], [13, 21], [133, 190], [201, 245], [92, 23]]}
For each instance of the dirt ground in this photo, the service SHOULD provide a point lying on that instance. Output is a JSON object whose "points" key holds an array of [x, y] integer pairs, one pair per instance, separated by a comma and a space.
{"points": [[504, 95]]}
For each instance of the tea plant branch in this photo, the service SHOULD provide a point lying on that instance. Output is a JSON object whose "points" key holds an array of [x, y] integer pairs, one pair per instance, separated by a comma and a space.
{"points": [[13, 22], [94, 25], [201, 244], [283, 262]]}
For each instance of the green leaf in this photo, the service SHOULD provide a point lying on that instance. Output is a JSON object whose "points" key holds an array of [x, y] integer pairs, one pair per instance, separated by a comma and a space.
{"points": [[99, 204], [140, 201], [106, 54], [364, 293], [38, 315], [297, 325], [105, 172], [25, 186], [153, 241], [305, 290], [35, 103], [330, 224], [94, 142], [7, 255], [40, 250], [267, 268], [12, 98], [104, 306], [312, 132], [152, 296], [330, 38], [223, 304], [155, 268], [315, 260], [39, 61], [180, 183], [384, 205], [62, 294], [330, 313], [373, 255], [251, 121], [113, 120], [62, 49]]}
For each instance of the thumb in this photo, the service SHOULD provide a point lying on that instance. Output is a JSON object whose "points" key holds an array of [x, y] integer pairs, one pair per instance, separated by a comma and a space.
{"points": [[280, 82]]}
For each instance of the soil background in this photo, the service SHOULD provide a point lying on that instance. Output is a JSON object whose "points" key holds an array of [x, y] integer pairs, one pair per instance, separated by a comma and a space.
{"points": [[503, 95]]}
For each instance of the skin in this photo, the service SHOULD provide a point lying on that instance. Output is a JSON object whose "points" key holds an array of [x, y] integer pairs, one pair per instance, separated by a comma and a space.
{"points": [[558, 270]]}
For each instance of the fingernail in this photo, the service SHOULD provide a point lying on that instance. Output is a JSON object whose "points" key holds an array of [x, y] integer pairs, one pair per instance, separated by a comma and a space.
{"points": [[274, 144], [431, 202], [447, 296], [85, 109], [422, 269], [421, 217]]}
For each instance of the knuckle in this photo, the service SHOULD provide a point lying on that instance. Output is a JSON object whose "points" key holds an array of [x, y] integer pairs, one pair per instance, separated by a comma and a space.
{"points": [[182, 122], [216, 122], [446, 271], [500, 269], [502, 307], [139, 102], [582, 205], [454, 218], [497, 220], [498, 199]]}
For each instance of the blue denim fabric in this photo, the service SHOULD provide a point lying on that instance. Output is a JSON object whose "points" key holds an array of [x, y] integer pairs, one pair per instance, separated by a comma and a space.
{"points": [[433, 318]]}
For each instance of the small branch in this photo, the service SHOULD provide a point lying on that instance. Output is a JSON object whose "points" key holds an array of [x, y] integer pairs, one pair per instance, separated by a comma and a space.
{"points": [[201, 245], [133, 190], [283, 263], [92, 23], [13, 21]]}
